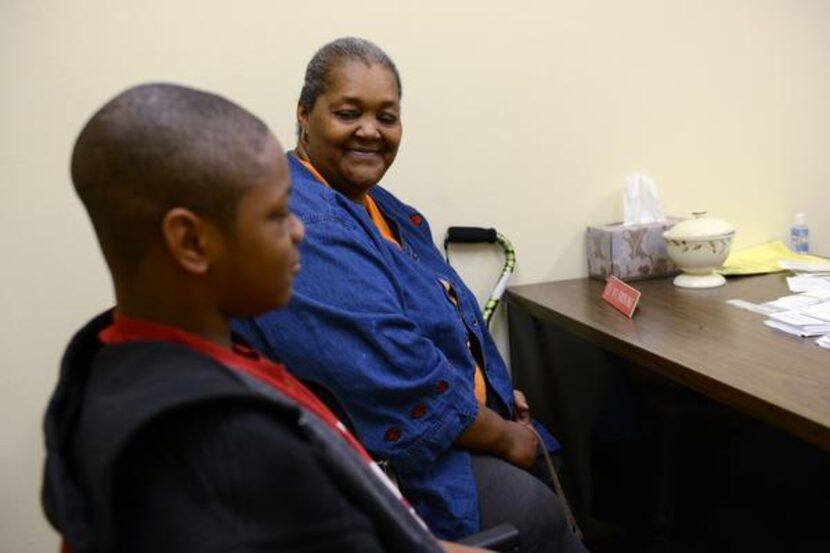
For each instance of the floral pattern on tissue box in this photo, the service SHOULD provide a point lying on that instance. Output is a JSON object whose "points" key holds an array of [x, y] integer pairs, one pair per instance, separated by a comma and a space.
{"points": [[629, 252]]}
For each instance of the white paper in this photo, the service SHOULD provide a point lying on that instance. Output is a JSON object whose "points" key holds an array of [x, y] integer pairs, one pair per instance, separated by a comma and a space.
{"points": [[819, 311], [808, 283], [798, 318], [806, 314], [803, 331], [805, 266], [754, 307], [640, 201], [797, 301]]}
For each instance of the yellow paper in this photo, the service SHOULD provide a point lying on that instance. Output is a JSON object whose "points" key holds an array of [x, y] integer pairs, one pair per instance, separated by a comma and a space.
{"points": [[762, 259]]}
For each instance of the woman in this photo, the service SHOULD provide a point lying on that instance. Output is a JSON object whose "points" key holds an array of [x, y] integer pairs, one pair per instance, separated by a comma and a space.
{"points": [[384, 323]]}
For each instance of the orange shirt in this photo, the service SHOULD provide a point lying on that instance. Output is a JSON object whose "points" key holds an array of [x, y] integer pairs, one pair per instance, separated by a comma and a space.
{"points": [[480, 384]]}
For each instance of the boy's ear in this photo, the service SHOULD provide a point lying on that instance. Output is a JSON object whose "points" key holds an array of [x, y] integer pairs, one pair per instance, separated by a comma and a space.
{"points": [[188, 239]]}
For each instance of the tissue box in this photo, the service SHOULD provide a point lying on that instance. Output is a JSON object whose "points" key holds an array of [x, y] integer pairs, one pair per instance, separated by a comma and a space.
{"points": [[629, 252]]}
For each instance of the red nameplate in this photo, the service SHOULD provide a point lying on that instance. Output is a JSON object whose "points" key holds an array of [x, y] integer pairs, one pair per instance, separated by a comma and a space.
{"points": [[621, 296]]}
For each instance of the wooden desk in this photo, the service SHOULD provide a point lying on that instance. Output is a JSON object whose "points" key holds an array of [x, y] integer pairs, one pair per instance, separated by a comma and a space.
{"points": [[696, 339]]}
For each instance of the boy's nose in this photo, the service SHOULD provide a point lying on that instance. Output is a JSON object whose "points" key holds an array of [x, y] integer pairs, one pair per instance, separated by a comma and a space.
{"points": [[297, 229]]}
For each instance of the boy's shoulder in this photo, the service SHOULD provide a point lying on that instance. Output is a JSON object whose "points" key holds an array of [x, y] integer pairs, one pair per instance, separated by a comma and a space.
{"points": [[126, 386]]}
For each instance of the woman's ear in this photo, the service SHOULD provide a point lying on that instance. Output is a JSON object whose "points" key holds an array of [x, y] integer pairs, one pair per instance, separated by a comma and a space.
{"points": [[188, 239], [302, 121]]}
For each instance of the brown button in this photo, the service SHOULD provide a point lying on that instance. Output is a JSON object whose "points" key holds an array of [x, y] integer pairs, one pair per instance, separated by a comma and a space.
{"points": [[442, 386], [416, 219], [392, 435], [418, 411]]}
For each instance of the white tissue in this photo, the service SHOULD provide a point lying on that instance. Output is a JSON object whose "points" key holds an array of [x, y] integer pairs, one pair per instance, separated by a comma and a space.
{"points": [[640, 202]]}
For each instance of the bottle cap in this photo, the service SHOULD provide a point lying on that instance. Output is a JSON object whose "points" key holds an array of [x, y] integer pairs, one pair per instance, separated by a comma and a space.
{"points": [[800, 219]]}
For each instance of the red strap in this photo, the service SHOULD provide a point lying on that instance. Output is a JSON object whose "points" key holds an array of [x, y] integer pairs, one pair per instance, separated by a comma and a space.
{"points": [[128, 329]]}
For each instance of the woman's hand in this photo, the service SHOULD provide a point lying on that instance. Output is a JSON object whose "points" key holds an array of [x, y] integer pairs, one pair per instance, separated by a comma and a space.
{"points": [[521, 446], [515, 442], [522, 411]]}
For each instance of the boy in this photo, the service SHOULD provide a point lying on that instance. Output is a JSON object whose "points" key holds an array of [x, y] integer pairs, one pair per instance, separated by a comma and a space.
{"points": [[162, 434]]}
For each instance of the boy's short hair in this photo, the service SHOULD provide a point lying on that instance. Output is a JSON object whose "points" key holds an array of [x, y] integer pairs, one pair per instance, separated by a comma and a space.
{"points": [[159, 146]]}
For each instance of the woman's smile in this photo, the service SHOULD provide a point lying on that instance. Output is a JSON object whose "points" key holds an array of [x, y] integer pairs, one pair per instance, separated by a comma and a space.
{"points": [[362, 153]]}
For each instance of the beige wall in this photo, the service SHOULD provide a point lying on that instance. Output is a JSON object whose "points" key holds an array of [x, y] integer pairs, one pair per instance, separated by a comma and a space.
{"points": [[525, 116]]}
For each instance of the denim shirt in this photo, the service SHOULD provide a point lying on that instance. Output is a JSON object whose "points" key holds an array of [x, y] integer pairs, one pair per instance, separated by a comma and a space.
{"points": [[373, 323]]}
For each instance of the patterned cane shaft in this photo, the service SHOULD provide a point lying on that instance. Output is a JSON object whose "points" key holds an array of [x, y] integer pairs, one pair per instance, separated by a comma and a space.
{"points": [[507, 270]]}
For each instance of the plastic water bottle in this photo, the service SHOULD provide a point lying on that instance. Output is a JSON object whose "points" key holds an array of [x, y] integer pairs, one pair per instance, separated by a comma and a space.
{"points": [[800, 234]]}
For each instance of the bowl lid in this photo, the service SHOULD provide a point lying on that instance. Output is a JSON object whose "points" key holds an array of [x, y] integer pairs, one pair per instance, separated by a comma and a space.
{"points": [[700, 226]]}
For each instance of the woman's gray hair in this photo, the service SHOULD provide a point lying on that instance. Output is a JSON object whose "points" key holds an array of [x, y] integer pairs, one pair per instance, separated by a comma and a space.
{"points": [[332, 55]]}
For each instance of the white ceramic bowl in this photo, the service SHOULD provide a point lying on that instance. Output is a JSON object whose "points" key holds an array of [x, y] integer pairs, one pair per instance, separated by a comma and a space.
{"points": [[698, 247]]}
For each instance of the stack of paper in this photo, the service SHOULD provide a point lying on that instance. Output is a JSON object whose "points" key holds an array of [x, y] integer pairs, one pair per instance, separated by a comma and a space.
{"points": [[808, 283], [793, 322], [801, 266], [798, 302], [804, 315], [809, 275]]}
